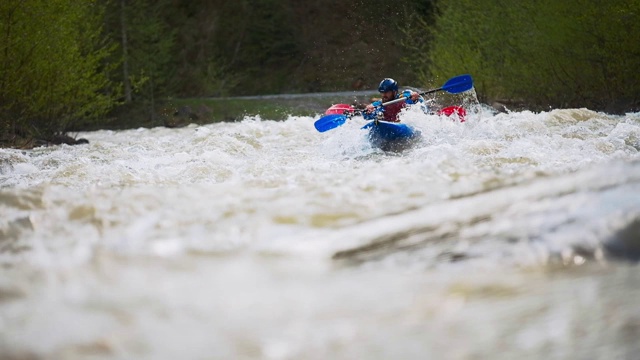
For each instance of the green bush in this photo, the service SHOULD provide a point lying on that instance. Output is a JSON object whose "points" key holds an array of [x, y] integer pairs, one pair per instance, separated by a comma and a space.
{"points": [[53, 73], [546, 53]]}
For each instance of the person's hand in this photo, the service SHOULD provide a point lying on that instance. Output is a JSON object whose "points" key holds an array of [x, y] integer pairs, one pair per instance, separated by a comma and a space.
{"points": [[409, 94], [372, 107]]}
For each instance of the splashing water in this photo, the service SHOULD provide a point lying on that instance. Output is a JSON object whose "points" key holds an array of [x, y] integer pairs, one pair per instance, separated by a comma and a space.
{"points": [[501, 237]]}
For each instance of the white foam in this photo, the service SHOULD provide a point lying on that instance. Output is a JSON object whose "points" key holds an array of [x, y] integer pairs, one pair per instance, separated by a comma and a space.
{"points": [[214, 240]]}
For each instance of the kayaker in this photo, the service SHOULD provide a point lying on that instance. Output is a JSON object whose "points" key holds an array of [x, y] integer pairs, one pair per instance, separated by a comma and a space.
{"points": [[388, 89]]}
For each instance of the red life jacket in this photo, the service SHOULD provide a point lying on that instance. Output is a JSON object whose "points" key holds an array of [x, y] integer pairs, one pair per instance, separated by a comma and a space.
{"points": [[392, 111]]}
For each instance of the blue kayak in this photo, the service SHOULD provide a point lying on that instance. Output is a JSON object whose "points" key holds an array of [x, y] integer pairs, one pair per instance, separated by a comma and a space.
{"points": [[390, 136]]}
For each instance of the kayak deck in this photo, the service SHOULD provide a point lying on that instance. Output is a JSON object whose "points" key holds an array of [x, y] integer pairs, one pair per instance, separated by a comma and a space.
{"points": [[389, 136]]}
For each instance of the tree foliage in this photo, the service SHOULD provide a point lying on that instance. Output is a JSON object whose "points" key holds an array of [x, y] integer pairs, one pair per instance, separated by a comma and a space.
{"points": [[545, 53], [53, 71]]}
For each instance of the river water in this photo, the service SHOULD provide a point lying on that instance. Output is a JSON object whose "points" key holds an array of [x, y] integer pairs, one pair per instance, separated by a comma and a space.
{"points": [[507, 236]]}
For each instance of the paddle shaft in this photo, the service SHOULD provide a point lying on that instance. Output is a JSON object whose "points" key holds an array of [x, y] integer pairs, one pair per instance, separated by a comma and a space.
{"points": [[454, 85], [402, 98]]}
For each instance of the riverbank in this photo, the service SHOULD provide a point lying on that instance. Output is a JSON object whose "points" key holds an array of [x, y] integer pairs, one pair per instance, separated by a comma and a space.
{"points": [[174, 113], [181, 112]]}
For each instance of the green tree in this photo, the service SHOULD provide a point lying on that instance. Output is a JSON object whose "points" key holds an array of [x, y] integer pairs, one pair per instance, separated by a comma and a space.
{"points": [[53, 71], [259, 42], [145, 52], [546, 53], [416, 28], [205, 53]]}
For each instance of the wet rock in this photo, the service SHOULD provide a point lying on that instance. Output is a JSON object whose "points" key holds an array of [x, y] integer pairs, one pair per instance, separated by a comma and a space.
{"points": [[181, 117], [625, 244], [508, 105], [621, 106], [186, 112], [499, 107], [205, 112], [60, 139]]}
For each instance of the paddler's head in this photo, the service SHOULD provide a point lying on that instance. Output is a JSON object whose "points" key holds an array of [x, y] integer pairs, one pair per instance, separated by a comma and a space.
{"points": [[388, 89]]}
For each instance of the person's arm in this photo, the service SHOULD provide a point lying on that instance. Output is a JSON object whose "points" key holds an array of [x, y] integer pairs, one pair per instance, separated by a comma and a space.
{"points": [[373, 106], [413, 97], [373, 110]]}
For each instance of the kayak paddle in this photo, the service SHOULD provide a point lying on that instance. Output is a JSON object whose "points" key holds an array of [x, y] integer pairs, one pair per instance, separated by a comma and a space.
{"points": [[329, 122], [336, 116], [454, 85]]}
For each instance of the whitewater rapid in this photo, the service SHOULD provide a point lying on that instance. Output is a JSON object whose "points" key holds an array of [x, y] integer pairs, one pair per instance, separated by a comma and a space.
{"points": [[508, 235]]}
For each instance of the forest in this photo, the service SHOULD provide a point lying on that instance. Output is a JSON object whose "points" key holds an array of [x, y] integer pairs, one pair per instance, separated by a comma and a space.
{"points": [[69, 65]]}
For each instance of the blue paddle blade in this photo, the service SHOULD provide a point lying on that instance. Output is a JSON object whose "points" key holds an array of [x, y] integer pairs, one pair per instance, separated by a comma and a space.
{"points": [[329, 122], [458, 84]]}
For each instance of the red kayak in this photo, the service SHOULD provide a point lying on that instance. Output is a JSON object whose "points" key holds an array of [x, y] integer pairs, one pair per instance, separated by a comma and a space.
{"points": [[454, 110]]}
